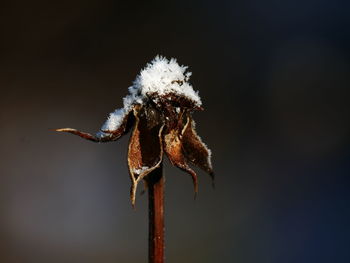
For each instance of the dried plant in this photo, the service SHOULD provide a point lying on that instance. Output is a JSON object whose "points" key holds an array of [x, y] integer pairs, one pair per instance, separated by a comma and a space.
{"points": [[158, 109]]}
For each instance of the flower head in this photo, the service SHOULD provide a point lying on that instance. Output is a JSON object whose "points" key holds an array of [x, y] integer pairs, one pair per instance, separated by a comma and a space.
{"points": [[158, 109]]}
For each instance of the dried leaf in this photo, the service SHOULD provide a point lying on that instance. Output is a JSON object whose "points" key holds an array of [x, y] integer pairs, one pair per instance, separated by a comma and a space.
{"points": [[195, 150], [145, 149], [173, 148], [127, 122]]}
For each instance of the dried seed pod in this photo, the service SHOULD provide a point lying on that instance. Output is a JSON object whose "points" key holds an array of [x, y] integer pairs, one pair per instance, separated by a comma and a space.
{"points": [[158, 109]]}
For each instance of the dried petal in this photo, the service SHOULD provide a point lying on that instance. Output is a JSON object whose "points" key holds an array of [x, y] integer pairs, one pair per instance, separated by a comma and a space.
{"points": [[173, 148], [145, 147], [112, 135], [195, 150]]}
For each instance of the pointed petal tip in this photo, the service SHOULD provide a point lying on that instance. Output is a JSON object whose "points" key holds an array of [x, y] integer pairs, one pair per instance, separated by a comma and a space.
{"points": [[133, 195], [195, 181], [64, 130], [133, 205], [195, 194], [84, 135], [133, 202], [212, 175], [213, 184]]}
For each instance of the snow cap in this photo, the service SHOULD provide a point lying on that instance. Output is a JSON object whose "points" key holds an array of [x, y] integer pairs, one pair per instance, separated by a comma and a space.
{"points": [[160, 77], [163, 76]]}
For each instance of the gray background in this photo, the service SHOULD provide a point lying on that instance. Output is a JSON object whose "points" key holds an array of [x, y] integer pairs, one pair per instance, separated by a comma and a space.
{"points": [[274, 80]]}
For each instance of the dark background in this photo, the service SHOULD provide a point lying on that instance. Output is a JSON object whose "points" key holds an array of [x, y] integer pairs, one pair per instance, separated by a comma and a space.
{"points": [[274, 79]]}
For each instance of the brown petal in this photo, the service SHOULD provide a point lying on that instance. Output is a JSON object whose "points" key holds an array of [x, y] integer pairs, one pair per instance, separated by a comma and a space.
{"points": [[108, 135], [173, 148], [195, 150], [145, 150]]}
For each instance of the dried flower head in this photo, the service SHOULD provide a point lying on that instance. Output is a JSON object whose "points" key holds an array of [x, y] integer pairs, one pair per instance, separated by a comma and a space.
{"points": [[158, 108]]}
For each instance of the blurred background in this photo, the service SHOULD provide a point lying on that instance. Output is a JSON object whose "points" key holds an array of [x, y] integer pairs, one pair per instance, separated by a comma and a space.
{"points": [[274, 79]]}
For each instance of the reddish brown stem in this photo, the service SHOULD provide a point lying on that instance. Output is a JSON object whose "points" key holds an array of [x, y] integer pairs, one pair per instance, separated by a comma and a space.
{"points": [[156, 216]]}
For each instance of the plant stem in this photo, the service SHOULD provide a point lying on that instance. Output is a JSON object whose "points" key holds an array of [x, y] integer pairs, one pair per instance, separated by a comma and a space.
{"points": [[156, 216]]}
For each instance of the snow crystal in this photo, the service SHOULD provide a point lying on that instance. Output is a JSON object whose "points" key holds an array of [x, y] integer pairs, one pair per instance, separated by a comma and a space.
{"points": [[141, 170], [114, 120], [161, 77]]}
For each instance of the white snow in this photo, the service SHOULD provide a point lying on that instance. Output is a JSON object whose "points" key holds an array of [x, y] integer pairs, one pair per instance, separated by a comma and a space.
{"points": [[161, 76], [114, 120], [141, 170]]}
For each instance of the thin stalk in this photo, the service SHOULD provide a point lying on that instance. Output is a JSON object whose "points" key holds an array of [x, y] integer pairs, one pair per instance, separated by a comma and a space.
{"points": [[156, 216]]}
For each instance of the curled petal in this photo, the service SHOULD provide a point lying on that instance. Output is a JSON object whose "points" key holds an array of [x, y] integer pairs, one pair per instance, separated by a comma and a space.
{"points": [[84, 135], [195, 150], [145, 150], [105, 135], [173, 148]]}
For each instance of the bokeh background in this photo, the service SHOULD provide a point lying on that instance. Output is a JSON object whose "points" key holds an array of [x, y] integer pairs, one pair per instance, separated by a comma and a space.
{"points": [[274, 78]]}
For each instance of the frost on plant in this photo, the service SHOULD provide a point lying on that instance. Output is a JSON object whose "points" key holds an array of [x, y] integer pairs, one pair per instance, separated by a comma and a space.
{"points": [[158, 109]]}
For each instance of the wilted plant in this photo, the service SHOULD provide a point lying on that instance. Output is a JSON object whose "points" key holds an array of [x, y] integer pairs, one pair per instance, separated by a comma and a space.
{"points": [[158, 109]]}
